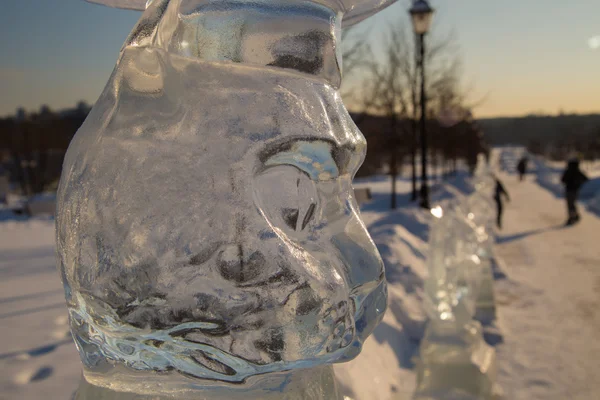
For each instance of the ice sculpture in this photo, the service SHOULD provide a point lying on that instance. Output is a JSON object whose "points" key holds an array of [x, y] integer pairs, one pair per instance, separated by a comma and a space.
{"points": [[207, 236], [454, 269], [481, 244], [455, 362], [478, 210]]}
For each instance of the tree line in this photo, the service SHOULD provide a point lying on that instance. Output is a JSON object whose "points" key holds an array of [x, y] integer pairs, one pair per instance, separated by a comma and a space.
{"points": [[33, 145], [556, 137]]}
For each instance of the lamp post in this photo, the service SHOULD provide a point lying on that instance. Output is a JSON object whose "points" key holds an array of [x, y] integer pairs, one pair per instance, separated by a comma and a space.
{"points": [[421, 14]]}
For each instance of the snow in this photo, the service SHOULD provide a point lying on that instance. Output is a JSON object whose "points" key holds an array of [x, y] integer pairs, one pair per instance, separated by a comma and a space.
{"points": [[548, 303], [547, 290], [384, 369], [37, 356]]}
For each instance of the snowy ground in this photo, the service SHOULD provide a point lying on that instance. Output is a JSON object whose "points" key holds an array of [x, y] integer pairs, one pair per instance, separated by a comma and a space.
{"points": [[548, 297], [549, 303], [384, 368], [37, 356]]}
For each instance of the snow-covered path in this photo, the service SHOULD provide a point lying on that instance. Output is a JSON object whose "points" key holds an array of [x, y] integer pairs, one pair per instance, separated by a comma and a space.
{"points": [[549, 304]]}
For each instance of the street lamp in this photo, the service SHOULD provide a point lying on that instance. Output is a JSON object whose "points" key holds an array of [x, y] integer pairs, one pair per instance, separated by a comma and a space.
{"points": [[421, 14]]}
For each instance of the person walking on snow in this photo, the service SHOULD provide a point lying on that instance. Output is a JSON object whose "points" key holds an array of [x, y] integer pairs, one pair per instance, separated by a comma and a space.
{"points": [[573, 179], [522, 168], [498, 193]]}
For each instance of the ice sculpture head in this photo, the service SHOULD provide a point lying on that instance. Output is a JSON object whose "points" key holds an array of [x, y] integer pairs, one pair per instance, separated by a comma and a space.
{"points": [[206, 221]]}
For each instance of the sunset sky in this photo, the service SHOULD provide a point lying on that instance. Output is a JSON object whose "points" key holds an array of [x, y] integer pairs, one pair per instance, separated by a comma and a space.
{"points": [[524, 55]]}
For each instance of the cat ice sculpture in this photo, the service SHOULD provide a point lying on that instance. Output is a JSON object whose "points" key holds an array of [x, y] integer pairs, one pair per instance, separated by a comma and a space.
{"points": [[206, 223]]}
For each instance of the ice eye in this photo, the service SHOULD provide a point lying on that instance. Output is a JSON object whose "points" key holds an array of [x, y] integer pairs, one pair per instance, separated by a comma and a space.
{"points": [[287, 196], [290, 216]]}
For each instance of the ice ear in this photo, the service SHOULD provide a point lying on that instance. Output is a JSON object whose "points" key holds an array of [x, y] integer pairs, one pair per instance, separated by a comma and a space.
{"points": [[127, 4], [353, 12]]}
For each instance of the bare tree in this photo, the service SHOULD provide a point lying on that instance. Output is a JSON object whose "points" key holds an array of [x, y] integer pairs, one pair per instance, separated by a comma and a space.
{"points": [[355, 61], [388, 94], [391, 88], [355, 50]]}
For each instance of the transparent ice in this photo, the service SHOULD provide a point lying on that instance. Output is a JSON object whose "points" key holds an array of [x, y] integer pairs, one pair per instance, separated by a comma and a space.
{"points": [[480, 213], [206, 223], [454, 269], [455, 362]]}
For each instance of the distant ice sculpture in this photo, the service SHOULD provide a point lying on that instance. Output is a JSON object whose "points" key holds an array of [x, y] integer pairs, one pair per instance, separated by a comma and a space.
{"points": [[454, 269], [479, 211], [207, 233], [455, 362]]}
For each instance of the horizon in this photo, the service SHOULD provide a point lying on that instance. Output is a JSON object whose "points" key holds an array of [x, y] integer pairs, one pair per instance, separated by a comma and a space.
{"points": [[561, 113], [532, 68]]}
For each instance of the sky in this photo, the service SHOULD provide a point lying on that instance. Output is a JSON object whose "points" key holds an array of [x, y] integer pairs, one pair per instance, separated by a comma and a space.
{"points": [[522, 56]]}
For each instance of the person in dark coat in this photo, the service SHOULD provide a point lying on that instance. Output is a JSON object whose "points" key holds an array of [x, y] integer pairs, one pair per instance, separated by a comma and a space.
{"points": [[499, 192], [522, 167], [573, 179]]}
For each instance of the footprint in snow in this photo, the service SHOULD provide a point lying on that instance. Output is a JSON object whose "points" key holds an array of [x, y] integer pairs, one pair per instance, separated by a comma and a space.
{"points": [[28, 376], [39, 351]]}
